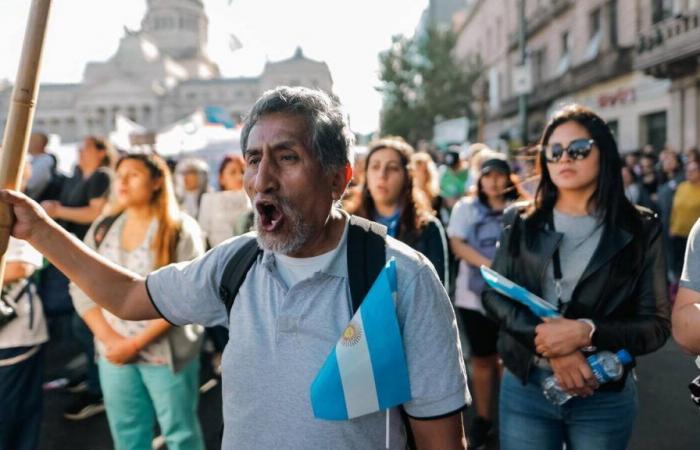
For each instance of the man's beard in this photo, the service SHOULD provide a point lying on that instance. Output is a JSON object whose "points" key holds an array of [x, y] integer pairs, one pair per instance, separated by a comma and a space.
{"points": [[297, 233]]}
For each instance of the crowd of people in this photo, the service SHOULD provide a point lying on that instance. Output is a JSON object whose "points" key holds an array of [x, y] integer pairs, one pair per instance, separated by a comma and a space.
{"points": [[600, 236]]}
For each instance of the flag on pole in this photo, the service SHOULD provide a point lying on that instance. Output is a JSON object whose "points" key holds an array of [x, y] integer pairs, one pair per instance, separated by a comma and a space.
{"points": [[218, 115], [366, 372], [539, 306], [234, 43]]}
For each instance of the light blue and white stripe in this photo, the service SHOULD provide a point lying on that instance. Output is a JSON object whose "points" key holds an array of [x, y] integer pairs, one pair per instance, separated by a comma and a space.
{"points": [[366, 372], [539, 306]]}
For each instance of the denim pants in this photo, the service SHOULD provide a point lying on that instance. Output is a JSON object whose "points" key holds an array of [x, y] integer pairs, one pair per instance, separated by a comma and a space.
{"points": [[529, 421], [135, 394], [20, 401]]}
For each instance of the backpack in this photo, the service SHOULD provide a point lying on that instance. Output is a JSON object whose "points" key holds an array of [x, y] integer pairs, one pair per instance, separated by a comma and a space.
{"points": [[106, 223], [366, 258], [483, 237], [102, 228], [366, 250]]}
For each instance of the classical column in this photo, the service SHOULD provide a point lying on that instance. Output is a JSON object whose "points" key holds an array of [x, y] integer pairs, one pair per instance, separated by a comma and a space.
{"points": [[674, 125], [690, 116]]}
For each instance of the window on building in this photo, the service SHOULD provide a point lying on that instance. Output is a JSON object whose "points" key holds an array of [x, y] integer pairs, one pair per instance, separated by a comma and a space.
{"points": [[539, 65], [494, 89], [499, 31], [612, 22], [661, 10], [654, 126], [594, 23], [565, 59], [614, 128], [595, 35]]}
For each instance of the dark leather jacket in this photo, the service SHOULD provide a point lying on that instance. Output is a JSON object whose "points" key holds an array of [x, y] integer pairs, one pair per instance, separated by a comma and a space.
{"points": [[625, 295]]}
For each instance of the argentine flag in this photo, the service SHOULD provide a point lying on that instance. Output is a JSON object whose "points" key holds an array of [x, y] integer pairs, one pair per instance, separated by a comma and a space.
{"points": [[366, 372], [539, 306]]}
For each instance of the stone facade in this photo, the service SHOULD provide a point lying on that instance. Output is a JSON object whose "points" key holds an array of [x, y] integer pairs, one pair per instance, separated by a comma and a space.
{"points": [[669, 48], [577, 52], [160, 74]]}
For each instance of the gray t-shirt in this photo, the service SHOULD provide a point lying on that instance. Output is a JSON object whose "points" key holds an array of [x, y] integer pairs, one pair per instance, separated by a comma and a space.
{"points": [[581, 237], [280, 337], [690, 278]]}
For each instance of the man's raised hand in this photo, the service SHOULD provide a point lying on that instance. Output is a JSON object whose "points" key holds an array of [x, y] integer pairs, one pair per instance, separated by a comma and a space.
{"points": [[29, 216]]}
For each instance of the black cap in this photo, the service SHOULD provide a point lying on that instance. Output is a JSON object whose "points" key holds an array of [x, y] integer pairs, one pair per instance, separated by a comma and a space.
{"points": [[497, 164], [450, 158]]}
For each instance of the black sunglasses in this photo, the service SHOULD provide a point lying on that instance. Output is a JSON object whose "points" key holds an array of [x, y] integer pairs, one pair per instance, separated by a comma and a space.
{"points": [[577, 149]]}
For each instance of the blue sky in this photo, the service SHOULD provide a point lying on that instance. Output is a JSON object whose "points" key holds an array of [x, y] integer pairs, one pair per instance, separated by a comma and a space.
{"points": [[347, 34]]}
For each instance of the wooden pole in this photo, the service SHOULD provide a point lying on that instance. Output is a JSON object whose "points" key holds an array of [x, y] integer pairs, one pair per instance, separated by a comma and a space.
{"points": [[20, 116]]}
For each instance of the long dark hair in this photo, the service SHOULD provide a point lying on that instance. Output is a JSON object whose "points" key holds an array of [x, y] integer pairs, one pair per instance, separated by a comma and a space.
{"points": [[608, 201], [414, 216]]}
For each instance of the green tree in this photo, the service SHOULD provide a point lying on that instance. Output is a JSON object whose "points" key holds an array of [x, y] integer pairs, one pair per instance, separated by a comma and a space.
{"points": [[423, 83]]}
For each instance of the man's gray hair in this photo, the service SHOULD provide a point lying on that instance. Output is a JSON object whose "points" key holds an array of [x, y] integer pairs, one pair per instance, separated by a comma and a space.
{"points": [[329, 134]]}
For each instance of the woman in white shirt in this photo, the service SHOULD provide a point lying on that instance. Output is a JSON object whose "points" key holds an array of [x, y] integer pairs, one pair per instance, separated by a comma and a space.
{"points": [[223, 214], [22, 333], [148, 369]]}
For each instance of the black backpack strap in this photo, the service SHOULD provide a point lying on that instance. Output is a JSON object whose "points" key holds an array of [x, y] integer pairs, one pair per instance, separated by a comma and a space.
{"points": [[102, 228], [236, 270], [366, 259], [366, 256]]}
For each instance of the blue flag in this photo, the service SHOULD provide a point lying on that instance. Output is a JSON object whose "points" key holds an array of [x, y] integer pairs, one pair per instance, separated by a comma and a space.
{"points": [[217, 114], [366, 372], [503, 285]]}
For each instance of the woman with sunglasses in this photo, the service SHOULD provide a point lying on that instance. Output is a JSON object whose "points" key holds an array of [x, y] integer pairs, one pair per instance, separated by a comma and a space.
{"points": [[148, 369], [585, 248]]}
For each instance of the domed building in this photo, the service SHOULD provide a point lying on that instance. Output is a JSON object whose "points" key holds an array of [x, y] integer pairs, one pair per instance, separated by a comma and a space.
{"points": [[158, 75]]}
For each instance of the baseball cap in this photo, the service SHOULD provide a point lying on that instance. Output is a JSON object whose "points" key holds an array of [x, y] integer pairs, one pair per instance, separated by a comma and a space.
{"points": [[495, 163]]}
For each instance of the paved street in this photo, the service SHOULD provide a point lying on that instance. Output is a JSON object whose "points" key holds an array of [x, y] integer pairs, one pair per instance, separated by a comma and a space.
{"points": [[667, 419]]}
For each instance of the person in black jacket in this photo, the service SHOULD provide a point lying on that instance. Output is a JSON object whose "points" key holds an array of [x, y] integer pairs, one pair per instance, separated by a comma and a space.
{"points": [[388, 197], [585, 248]]}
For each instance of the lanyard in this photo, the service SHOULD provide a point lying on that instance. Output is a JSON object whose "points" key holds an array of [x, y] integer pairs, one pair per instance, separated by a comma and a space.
{"points": [[556, 266]]}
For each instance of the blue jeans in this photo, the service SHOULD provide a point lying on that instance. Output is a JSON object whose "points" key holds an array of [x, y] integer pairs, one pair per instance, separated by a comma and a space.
{"points": [[529, 421], [136, 393], [21, 400]]}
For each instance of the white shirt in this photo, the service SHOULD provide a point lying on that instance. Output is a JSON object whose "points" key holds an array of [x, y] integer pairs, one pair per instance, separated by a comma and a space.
{"points": [[294, 270], [29, 327]]}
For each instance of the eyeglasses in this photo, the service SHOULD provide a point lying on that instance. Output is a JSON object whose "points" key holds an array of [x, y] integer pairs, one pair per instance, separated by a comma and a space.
{"points": [[577, 149]]}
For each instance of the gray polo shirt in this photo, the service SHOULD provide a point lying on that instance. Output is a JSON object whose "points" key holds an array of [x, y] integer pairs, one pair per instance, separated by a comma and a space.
{"points": [[280, 337], [690, 278]]}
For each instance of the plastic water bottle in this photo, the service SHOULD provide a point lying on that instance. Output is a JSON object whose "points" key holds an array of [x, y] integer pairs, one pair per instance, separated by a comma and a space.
{"points": [[606, 367]]}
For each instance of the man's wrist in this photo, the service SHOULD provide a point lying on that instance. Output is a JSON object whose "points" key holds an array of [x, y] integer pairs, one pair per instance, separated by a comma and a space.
{"points": [[43, 232]]}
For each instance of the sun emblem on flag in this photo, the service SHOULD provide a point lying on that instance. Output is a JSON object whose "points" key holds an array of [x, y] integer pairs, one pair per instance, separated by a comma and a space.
{"points": [[351, 335]]}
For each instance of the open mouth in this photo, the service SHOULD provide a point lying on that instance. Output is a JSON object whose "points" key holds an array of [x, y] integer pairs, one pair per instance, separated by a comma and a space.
{"points": [[271, 216]]}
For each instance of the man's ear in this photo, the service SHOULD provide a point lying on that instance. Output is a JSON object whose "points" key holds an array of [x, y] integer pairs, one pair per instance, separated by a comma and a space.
{"points": [[340, 181]]}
